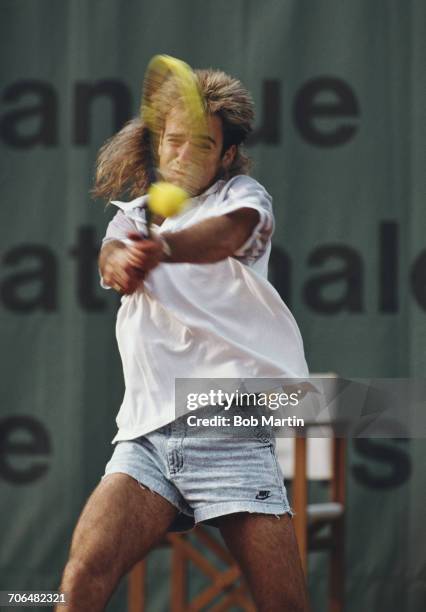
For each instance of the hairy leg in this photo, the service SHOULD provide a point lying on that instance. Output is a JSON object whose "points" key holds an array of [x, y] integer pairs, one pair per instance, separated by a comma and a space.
{"points": [[265, 547], [120, 523]]}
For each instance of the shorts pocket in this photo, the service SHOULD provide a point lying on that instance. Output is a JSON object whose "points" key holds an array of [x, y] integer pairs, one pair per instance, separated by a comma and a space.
{"points": [[258, 430]]}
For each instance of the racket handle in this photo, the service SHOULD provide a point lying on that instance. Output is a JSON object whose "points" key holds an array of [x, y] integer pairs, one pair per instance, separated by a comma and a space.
{"points": [[148, 217]]}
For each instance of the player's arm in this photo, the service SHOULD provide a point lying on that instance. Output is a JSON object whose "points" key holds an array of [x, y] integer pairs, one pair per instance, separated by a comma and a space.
{"points": [[208, 241], [123, 266], [213, 239]]}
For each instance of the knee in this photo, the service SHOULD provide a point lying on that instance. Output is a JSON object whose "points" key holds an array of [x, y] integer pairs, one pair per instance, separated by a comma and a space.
{"points": [[81, 570], [92, 557], [87, 586], [76, 571]]}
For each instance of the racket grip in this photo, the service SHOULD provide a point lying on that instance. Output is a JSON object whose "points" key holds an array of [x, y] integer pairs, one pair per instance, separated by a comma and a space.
{"points": [[148, 217]]}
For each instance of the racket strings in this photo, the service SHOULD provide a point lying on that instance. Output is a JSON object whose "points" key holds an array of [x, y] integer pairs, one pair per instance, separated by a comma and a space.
{"points": [[171, 85]]}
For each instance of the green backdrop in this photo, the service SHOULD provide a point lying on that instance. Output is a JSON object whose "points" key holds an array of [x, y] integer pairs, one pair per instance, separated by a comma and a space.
{"points": [[340, 144]]}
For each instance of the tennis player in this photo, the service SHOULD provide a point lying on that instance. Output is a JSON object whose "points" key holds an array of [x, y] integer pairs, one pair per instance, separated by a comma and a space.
{"points": [[196, 303]]}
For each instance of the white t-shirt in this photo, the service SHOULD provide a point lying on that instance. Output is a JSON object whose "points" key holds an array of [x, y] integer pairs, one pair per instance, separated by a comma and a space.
{"points": [[219, 320]]}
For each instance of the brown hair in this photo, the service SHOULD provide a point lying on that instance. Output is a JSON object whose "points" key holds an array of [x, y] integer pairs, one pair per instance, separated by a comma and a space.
{"points": [[122, 160]]}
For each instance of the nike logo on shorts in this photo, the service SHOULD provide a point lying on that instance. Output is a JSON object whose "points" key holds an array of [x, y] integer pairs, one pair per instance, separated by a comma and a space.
{"points": [[263, 495]]}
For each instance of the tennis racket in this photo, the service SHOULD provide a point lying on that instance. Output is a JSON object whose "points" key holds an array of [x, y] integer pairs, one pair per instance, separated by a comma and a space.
{"points": [[170, 83]]}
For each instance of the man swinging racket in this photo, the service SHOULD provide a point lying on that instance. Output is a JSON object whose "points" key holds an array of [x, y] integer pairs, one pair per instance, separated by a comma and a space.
{"points": [[195, 303]]}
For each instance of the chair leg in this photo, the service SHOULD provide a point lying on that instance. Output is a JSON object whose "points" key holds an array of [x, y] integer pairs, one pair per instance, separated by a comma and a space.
{"points": [[136, 588], [300, 499], [337, 568], [337, 558]]}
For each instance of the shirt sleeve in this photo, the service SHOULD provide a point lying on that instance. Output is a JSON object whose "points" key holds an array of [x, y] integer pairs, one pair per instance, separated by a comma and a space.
{"points": [[245, 192], [119, 227]]}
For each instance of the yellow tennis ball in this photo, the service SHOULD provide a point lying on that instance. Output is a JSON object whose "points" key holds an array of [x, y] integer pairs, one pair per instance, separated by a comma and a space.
{"points": [[165, 199]]}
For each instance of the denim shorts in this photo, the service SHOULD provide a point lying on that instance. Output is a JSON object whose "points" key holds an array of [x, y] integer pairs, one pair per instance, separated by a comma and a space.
{"points": [[205, 476]]}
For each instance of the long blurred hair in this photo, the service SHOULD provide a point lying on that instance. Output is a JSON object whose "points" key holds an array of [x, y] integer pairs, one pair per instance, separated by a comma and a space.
{"points": [[122, 160]]}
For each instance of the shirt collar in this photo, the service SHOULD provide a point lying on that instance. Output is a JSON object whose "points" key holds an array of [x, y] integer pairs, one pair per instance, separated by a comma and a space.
{"points": [[217, 186], [127, 206]]}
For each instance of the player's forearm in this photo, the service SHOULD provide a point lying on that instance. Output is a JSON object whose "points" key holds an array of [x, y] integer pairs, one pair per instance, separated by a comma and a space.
{"points": [[209, 241]]}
